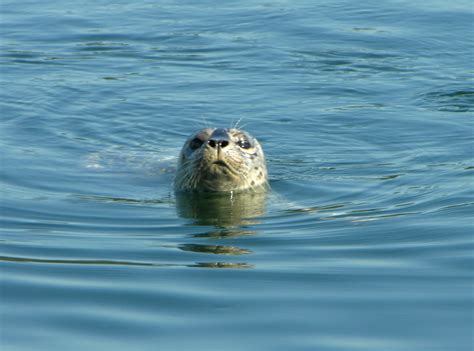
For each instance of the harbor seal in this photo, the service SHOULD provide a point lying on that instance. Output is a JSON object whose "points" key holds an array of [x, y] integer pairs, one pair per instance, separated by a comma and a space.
{"points": [[218, 159]]}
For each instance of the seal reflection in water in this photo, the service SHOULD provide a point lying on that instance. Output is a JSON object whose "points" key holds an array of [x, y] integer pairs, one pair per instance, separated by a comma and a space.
{"points": [[219, 160], [225, 211]]}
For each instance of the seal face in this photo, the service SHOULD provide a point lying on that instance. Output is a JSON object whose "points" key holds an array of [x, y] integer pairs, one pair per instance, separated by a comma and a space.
{"points": [[217, 159]]}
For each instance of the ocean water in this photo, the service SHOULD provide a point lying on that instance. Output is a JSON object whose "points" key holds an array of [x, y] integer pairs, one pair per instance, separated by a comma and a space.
{"points": [[364, 110]]}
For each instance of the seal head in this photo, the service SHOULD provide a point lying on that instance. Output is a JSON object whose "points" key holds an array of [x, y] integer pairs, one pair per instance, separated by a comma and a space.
{"points": [[218, 159]]}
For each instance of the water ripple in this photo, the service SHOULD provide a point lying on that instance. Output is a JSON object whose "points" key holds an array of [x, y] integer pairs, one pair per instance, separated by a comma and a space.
{"points": [[362, 110], [449, 100]]}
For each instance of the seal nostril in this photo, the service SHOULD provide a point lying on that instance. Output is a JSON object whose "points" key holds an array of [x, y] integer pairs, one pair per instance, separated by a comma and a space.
{"points": [[222, 143]]}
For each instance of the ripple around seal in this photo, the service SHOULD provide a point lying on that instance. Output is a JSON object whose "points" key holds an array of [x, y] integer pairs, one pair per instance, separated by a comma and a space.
{"points": [[364, 241]]}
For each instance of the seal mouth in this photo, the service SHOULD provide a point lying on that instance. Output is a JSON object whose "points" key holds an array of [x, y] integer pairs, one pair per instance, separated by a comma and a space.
{"points": [[221, 163], [223, 168]]}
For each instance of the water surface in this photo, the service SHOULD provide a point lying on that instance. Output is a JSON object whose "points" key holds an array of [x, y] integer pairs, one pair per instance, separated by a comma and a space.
{"points": [[365, 114]]}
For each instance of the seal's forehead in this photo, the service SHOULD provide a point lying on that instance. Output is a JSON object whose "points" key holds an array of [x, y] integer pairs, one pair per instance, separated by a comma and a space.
{"points": [[202, 134], [238, 133], [207, 132]]}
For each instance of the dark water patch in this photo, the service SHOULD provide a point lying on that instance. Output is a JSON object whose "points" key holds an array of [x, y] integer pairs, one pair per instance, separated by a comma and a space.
{"points": [[127, 201], [105, 263], [215, 249], [449, 100], [225, 233], [352, 62], [102, 46], [225, 265], [74, 262]]}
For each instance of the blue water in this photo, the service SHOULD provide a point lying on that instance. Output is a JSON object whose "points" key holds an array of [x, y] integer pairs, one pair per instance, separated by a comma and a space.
{"points": [[364, 110]]}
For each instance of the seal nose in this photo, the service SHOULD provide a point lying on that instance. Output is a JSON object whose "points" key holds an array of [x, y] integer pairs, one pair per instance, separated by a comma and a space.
{"points": [[219, 138]]}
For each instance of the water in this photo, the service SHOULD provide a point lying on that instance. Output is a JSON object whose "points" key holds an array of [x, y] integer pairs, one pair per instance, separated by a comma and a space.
{"points": [[364, 111]]}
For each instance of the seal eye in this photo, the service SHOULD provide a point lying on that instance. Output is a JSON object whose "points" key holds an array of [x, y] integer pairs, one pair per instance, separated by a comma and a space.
{"points": [[244, 144], [195, 144]]}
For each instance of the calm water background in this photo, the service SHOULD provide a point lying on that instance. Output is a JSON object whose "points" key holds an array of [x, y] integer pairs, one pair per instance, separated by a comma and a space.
{"points": [[365, 112]]}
